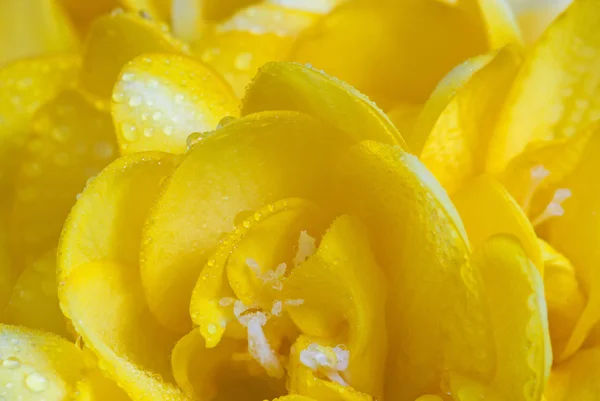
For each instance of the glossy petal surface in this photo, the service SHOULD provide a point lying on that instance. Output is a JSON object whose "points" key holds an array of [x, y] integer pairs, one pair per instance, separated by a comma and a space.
{"points": [[159, 100], [558, 84]]}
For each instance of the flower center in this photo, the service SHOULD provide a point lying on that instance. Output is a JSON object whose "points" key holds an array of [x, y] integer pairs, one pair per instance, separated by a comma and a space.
{"points": [[554, 208], [297, 306]]}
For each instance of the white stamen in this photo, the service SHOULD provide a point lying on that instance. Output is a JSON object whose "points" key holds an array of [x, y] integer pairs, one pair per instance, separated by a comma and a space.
{"points": [[253, 264], [306, 248], [327, 360], [258, 345], [274, 278], [538, 175], [554, 208], [294, 302], [276, 308], [226, 301]]}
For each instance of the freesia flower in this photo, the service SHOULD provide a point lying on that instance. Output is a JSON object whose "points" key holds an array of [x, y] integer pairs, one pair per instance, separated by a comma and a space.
{"points": [[302, 254], [516, 146]]}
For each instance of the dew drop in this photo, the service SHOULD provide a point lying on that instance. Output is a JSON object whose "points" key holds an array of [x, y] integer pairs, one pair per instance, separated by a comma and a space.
{"points": [[135, 100], [179, 98], [211, 328], [118, 97], [36, 382], [148, 132], [128, 76], [129, 132], [157, 115], [247, 223], [168, 130], [225, 121], [11, 363]]}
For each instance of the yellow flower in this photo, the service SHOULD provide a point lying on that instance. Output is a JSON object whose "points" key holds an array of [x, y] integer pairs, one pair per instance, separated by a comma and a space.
{"points": [[301, 251], [516, 146]]}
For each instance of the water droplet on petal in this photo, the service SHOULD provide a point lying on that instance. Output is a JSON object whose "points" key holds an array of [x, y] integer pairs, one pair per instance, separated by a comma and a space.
{"points": [[135, 100], [243, 61], [129, 132], [11, 363], [168, 130], [36, 382]]}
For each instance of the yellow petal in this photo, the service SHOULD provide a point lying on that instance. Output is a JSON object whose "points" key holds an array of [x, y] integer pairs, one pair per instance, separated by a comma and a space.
{"points": [[96, 387], [558, 158], [269, 148], [8, 271], [130, 345], [71, 142], [534, 16], [488, 209], [576, 233], [292, 86], [30, 28], [419, 241], [160, 99], [456, 147], [442, 95], [417, 42], [501, 23], [106, 222], [114, 40], [205, 372], [98, 259], [515, 293], [238, 47], [35, 365], [564, 298], [34, 300], [404, 116], [556, 92], [27, 85], [576, 379], [343, 289]]}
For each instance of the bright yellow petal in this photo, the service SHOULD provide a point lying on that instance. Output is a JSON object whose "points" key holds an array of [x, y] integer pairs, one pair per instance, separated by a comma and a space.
{"points": [[292, 86], [576, 233], [203, 372], [106, 222], [343, 287], [564, 298], [391, 51], [442, 95], [556, 92], [96, 387], [71, 142], [534, 16], [30, 28], [114, 40], [27, 85], [515, 293], [488, 209], [501, 23], [419, 241], [34, 300], [404, 116], [238, 47], [130, 345], [160, 99], [576, 379], [456, 147], [98, 265], [557, 158], [269, 148], [35, 365]]}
